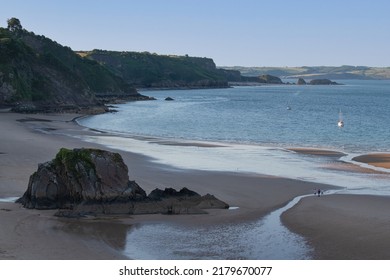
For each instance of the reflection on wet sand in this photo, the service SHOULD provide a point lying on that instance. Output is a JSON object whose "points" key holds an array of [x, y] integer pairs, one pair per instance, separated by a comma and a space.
{"points": [[111, 232]]}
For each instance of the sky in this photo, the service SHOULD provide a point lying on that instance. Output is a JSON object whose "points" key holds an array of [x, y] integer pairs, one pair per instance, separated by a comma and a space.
{"points": [[233, 33]]}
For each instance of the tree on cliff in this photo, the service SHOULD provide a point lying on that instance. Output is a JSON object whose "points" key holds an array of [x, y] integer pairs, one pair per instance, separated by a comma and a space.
{"points": [[14, 24]]}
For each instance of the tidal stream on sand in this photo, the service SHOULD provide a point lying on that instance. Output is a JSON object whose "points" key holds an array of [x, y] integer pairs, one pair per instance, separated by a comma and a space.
{"points": [[266, 238]]}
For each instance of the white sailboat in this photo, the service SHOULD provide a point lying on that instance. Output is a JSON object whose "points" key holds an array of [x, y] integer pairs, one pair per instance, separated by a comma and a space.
{"points": [[340, 123]]}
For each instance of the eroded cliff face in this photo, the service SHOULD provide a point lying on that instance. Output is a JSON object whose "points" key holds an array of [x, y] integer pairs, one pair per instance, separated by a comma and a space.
{"points": [[144, 70], [92, 181], [38, 74]]}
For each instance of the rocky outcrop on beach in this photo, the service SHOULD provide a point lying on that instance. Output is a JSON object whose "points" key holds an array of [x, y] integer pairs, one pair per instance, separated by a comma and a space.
{"points": [[91, 181], [184, 201]]}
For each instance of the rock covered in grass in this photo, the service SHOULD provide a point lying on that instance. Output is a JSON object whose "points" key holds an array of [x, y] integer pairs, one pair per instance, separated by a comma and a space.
{"points": [[80, 176]]}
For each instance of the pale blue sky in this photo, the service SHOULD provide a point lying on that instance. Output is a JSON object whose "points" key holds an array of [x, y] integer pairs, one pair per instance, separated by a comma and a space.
{"points": [[243, 32]]}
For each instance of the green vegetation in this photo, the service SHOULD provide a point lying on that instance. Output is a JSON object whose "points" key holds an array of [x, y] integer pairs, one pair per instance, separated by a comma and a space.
{"points": [[77, 161], [14, 25], [117, 158], [40, 72], [152, 70], [71, 158], [162, 71]]}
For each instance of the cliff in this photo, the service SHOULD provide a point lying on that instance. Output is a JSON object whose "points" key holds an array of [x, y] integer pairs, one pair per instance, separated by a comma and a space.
{"points": [[145, 70], [38, 74]]}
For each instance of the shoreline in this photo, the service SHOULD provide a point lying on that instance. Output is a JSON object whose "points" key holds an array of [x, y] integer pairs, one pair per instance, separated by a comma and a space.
{"points": [[38, 139], [369, 162]]}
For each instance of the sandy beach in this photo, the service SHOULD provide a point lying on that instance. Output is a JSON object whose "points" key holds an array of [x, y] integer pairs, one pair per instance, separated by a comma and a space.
{"points": [[377, 159], [343, 227], [31, 234]]}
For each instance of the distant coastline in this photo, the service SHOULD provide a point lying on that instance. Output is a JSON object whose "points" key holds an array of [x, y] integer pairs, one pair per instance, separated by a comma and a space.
{"points": [[345, 72]]}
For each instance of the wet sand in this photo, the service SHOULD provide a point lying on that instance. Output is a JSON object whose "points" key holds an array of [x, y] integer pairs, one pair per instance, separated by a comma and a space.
{"points": [[32, 234], [343, 227], [377, 159], [317, 152]]}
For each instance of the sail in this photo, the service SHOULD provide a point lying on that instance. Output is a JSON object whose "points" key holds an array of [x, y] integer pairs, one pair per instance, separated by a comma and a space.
{"points": [[340, 116]]}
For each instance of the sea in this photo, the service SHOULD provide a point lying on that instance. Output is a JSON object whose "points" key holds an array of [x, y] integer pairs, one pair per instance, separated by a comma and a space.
{"points": [[251, 129], [259, 115]]}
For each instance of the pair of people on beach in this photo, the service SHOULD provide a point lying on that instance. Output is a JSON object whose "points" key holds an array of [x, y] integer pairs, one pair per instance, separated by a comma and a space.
{"points": [[319, 192]]}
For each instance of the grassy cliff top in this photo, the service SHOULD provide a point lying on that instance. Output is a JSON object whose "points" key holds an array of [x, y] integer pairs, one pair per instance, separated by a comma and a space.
{"points": [[144, 69]]}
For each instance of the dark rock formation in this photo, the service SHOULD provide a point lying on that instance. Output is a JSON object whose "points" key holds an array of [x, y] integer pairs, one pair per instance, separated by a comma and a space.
{"points": [[169, 99], [80, 176], [269, 79], [322, 82], [301, 82], [92, 181], [170, 201], [159, 194]]}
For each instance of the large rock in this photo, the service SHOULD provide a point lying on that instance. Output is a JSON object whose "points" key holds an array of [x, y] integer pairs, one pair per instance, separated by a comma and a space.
{"points": [[92, 181], [80, 176]]}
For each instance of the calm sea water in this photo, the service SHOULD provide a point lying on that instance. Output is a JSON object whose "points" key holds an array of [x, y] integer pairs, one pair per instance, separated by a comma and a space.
{"points": [[258, 115]]}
